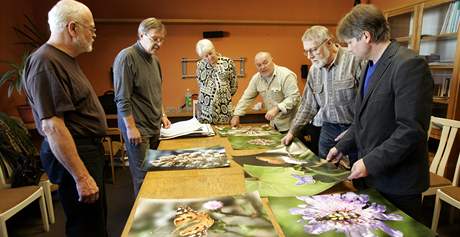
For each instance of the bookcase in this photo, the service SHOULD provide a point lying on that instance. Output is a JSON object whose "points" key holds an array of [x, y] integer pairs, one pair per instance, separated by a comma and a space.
{"points": [[430, 28]]}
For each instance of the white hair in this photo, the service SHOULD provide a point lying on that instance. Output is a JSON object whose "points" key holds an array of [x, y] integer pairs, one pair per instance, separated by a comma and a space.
{"points": [[63, 12], [317, 34], [204, 46]]}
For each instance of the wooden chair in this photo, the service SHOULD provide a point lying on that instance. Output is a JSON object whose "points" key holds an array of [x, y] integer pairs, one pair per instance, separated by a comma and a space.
{"points": [[47, 186], [450, 195], [111, 147], [15, 199], [449, 129]]}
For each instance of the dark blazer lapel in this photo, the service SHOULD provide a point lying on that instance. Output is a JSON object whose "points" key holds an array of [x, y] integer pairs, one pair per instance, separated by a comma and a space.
{"points": [[382, 66]]}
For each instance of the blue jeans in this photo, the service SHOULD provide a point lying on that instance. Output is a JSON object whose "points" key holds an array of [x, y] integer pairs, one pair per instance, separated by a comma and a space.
{"points": [[329, 131], [136, 156]]}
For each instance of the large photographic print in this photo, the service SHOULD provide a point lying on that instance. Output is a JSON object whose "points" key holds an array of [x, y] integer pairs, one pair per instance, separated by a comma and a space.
{"points": [[365, 213], [196, 158], [239, 215], [252, 131]]}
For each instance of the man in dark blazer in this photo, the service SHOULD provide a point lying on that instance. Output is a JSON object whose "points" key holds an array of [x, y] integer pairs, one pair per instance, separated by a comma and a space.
{"points": [[392, 112]]}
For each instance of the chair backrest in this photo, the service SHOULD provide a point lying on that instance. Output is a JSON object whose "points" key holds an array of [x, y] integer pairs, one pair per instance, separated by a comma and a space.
{"points": [[455, 181], [449, 129]]}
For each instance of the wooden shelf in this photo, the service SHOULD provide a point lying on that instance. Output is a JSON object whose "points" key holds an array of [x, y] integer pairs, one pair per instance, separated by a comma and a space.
{"points": [[443, 36], [441, 100], [404, 39], [441, 66]]}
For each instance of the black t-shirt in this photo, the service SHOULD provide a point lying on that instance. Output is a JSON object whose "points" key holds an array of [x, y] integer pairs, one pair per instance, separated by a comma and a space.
{"points": [[56, 86]]}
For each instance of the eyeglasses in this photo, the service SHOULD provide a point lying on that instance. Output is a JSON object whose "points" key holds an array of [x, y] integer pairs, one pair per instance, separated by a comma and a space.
{"points": [[314, 50], [90, 27], [155, 38]]}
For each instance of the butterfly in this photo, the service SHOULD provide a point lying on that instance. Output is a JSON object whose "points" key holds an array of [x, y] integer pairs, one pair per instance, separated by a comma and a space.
{"points": [[191, 223]]}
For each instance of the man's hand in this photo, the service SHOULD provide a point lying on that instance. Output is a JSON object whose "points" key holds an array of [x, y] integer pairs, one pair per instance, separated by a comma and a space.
{"points": [[287, 140], [358, 170], [235, 122], [165, 122], [272, 113], [334, 155], [134, 136], [88, 191]]}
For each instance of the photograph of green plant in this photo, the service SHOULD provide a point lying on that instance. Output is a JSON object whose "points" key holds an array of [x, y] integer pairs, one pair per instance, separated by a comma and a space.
{"points": [[364, 213], [239, 215], [292, 181]]}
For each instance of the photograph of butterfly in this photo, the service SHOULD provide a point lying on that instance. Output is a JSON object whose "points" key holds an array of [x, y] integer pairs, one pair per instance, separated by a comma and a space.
{"points": [[239, 215], [191, 223]]}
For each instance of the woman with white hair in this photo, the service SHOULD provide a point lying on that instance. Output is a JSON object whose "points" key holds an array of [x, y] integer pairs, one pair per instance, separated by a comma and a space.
{"points": [[216, 77]]}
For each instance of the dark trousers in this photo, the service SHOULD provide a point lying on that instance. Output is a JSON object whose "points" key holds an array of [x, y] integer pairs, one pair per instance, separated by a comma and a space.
{"points": [[409, 204], [313, 132], [81, 219], [329, 132]]}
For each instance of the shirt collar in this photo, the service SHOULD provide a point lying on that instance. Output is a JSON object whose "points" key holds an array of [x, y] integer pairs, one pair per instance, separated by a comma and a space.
{"points": [[268, 79], [337, 57], [142, 51]]}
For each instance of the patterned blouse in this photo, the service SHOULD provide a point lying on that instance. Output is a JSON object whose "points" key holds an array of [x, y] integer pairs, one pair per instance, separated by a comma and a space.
{"points": [[217, 85]]}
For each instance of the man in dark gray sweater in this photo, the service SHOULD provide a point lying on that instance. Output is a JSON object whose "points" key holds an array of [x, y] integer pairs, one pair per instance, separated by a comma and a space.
{"points": [[137, 80]]}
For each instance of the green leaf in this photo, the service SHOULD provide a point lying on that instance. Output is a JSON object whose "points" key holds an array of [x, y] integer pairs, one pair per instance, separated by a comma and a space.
{"points": [[7, 76], [279, 182]]}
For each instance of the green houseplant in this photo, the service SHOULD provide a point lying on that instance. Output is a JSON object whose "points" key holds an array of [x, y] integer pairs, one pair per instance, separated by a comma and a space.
{"points": [[12, 77], [31, 37]]}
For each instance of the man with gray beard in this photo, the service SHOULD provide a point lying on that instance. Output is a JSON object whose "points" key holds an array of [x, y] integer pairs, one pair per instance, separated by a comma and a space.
{"points": [[332, 84]]}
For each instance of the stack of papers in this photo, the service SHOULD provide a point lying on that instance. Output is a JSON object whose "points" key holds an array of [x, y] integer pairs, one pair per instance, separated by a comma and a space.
{"points": [[189, 127]]}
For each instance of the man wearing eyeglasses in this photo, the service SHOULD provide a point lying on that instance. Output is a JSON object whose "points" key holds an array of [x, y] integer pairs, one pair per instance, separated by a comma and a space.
{"points": [[331, 89], [138, 83], [69, 116], [278, 87]]}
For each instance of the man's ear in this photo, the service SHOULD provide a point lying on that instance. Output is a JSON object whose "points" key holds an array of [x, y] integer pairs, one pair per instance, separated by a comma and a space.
{"points": [[367, 36], [71, 27]]}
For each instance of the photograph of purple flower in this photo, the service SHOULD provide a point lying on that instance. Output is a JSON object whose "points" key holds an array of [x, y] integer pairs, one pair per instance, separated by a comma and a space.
{"points": [[303, 179], [365, 213], [349, 213]]}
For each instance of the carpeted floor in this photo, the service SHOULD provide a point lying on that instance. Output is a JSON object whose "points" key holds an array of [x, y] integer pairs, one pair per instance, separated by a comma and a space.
{"points": [[27, 223]]}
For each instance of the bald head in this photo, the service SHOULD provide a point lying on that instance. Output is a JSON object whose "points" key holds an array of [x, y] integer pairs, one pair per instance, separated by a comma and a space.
{"points": [[264, 64]]}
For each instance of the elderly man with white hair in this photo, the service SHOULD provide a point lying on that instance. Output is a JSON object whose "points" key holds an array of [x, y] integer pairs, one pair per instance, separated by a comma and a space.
{"points": [[68, 114], [332, 86], [278, 87], [217, 81]]}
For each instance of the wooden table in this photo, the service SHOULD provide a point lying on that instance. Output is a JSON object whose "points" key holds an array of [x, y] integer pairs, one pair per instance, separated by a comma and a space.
{"points": [[201, 182]]}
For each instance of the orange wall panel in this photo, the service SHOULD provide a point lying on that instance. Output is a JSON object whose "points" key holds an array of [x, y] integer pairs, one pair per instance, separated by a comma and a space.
{"points": [[243, 40]]}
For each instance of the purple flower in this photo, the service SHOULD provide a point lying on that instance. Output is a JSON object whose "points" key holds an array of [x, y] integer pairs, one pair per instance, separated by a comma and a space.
{"points": [[349, 213], [303, 179], [213, 205]]}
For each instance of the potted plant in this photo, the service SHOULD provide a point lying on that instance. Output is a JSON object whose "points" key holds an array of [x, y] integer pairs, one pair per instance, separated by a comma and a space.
{"points": [[32, 38]]}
